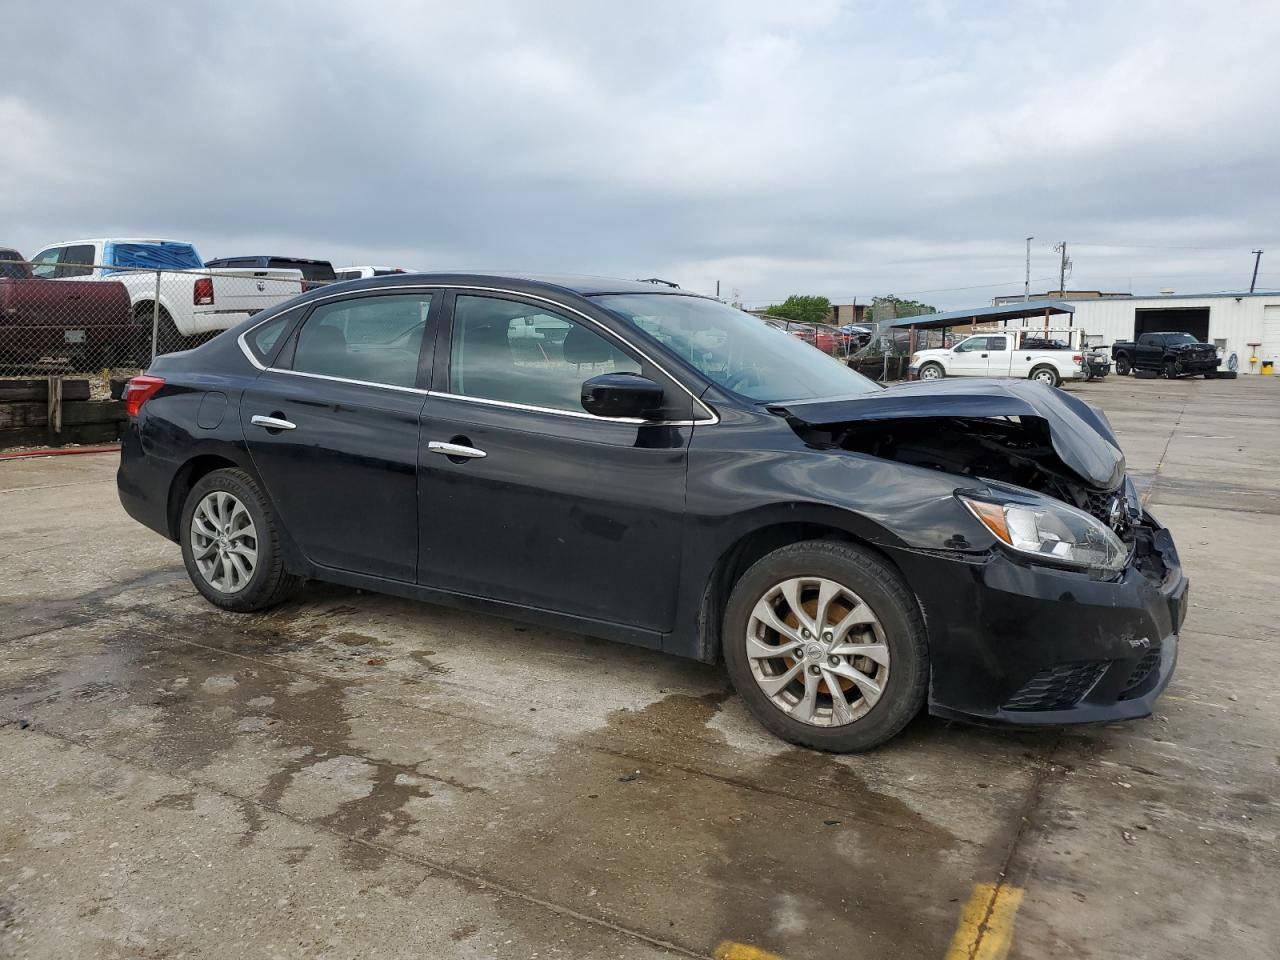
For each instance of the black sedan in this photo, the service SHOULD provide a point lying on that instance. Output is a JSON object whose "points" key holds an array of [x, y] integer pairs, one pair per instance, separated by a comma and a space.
{"points": [[654, 467]]}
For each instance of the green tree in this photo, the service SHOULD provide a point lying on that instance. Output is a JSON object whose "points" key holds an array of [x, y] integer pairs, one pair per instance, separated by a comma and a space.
{"points": [[802, 308], [890, 307]]}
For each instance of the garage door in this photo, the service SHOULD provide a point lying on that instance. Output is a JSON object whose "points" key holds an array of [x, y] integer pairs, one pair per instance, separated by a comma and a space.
{"points": [[1270, 349], [1192, 320]]}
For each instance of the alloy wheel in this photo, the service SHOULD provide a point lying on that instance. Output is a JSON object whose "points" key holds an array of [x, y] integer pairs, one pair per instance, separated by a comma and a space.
{"points": [[931, 373], [1044, 376], [818, 651], [224, 542]]}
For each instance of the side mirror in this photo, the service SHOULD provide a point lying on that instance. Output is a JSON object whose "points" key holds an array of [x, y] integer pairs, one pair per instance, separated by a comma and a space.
{"points": [[621, 395]]}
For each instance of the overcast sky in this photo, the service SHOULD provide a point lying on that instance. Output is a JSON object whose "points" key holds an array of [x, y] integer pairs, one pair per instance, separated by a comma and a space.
{"points": [[845, 149]]}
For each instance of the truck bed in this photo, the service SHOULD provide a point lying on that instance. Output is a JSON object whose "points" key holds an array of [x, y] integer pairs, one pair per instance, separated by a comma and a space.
{"points": [[84, 323]]}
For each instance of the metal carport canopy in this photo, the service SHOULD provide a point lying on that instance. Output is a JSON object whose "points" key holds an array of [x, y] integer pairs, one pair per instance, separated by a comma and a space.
{"points": [[1011, 311]]}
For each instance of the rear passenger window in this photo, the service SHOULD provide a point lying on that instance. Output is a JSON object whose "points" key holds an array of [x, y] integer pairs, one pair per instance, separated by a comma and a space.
{"points": [[519, 353], [76, 261], [374, 339]]}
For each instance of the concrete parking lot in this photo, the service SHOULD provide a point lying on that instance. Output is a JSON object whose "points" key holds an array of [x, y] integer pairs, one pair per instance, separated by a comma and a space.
{"points": [[359, 776]]}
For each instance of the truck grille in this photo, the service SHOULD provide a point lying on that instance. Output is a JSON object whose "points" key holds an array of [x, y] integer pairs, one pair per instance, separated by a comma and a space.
{"points": [[1057, 688]]}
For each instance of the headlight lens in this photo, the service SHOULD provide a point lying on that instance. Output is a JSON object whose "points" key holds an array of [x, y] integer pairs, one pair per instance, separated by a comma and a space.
{"points": [[1052, 531]]}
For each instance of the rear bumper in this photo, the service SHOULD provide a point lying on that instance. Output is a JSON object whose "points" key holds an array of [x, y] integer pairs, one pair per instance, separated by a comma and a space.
{"points": [[143, 483], [1038, 646], [34, 341]]}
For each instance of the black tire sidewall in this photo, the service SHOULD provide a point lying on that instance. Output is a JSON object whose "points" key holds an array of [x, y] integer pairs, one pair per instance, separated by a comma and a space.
{"points": [[1053, 382], [937, 368], [264, 584], [1122, 366], [880, 587]]}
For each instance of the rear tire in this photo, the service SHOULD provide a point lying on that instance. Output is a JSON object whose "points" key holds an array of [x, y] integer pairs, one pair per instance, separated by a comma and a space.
{"points": [[861, 589], [1122, 366], [231, 543], [1171, 369], [168, 339], [1046, 375]]}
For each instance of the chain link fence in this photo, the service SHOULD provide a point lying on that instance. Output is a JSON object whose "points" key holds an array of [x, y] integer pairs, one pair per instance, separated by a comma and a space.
{"points": [[882, 357], [76, 319]]}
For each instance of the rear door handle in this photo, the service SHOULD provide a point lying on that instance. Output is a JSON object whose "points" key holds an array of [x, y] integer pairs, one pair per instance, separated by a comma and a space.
{"points": [[272, 423], [455, 450]]}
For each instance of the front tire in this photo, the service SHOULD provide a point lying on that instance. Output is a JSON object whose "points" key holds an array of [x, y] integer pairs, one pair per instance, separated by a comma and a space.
{"points": [[932, 371], [1046, 375], [827, 647], [1171, 370], [231, 543]]}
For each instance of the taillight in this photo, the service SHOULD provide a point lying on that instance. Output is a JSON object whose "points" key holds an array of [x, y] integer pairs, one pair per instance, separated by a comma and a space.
{"points": [[1077, 358], [138, 391], [202, 292]]}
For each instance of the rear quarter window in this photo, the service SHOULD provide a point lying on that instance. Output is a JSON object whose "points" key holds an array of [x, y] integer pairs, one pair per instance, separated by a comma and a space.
{"points": [[264, 340]]}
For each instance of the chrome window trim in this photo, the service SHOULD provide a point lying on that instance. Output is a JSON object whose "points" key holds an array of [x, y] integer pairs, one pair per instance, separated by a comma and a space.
{"points": [[637, 421], [711, 418], [358, 383]]}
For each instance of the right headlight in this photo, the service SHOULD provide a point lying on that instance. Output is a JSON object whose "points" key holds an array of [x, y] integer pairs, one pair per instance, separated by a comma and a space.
{"points": [[1052, 531]]}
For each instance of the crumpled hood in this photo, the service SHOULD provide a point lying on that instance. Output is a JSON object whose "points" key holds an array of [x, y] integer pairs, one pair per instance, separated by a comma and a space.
{"points": [[1081, 435]]}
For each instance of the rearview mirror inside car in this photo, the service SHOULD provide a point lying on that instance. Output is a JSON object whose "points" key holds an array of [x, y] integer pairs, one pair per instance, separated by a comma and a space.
{"points": [[621, 395]]}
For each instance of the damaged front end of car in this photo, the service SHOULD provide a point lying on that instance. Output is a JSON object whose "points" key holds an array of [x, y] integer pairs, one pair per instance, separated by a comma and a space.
{"points": [[1068, 609]]}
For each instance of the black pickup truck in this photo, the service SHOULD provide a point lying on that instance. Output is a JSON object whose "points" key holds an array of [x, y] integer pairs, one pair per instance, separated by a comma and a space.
{"points": [[1173, 354]]}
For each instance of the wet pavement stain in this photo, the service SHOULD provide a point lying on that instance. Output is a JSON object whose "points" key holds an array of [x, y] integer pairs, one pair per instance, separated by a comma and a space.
{"points": [[174, 801], [186, 707], [423, 657], [656, 815]]}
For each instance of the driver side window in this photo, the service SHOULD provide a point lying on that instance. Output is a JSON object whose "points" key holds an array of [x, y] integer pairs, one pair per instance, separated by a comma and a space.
{"points": [[973, 343], [519, 353], [45, 264]]}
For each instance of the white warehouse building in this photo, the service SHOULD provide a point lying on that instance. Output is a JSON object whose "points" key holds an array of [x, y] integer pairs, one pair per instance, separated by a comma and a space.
{"points": [[1230, 321]]}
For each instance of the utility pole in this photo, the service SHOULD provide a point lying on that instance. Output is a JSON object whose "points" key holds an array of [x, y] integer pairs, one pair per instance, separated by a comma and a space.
{"points": [[717, 289], [1257, 259], [1062, 268], [1026, 287]]}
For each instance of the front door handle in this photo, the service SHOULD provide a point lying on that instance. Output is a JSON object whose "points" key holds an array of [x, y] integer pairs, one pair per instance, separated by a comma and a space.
{"points": [[984, 356], [455, 450], [272, 423]]}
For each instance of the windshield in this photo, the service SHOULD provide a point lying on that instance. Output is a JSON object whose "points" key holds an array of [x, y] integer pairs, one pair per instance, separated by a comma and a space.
{"points": [[737, 351], [1176, 338]]}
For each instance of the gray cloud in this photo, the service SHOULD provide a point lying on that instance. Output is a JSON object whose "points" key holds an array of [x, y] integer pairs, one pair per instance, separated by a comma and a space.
{"points": [[845, 149]]}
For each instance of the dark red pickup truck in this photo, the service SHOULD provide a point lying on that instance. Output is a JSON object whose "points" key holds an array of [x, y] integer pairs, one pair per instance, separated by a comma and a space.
{"points": [[86, 325]]}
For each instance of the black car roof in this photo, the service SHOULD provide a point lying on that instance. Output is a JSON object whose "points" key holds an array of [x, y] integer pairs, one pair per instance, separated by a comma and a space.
{"points": [[582, 285]]}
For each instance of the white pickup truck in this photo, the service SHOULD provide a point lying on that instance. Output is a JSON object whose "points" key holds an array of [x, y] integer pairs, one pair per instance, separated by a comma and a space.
{"points": [[193, 299], [1047, 356]]}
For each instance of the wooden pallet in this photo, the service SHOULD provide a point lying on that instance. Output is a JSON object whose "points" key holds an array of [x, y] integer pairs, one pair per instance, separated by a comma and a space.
{"points": [[28, 418]]}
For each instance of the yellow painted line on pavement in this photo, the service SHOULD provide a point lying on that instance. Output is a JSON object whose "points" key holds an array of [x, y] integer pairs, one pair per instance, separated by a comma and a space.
{"points": [[729, 950], [986, 923]]}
